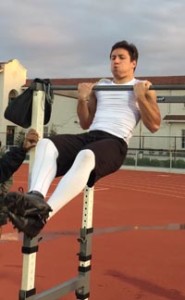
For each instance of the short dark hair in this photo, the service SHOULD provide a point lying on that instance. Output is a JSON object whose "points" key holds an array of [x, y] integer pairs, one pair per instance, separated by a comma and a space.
{"points": [[131, 48]]}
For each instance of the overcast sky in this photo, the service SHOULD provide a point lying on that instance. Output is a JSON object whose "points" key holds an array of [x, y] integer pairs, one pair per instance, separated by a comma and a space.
{"points": [[68, 38]]}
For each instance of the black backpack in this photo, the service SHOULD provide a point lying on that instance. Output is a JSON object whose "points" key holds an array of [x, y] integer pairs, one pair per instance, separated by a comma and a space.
{"points": [[19, 109]]}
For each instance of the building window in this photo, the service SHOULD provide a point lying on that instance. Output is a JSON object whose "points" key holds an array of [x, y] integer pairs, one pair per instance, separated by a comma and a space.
{"points": [[12, 94], [183, 138]]}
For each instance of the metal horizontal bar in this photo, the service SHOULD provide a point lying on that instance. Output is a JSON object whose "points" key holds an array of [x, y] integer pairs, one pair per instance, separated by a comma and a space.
{"points": [[171, 99], [105, 230], [170, 227], [60, 290], [176, 87], [98, 231]]}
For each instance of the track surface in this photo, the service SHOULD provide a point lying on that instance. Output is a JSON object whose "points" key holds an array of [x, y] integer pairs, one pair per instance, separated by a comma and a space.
{"points": [[126, 264]]}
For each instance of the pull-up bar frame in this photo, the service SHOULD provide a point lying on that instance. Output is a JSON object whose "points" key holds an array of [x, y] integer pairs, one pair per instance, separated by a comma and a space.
{"points": [[79, 284]]}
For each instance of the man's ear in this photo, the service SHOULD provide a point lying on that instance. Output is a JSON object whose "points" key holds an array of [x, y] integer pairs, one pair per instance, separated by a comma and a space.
{"points": [[134, 63]]}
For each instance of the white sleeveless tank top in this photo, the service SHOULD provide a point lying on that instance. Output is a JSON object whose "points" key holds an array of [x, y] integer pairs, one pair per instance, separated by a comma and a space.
{"points": [[117, 111]]}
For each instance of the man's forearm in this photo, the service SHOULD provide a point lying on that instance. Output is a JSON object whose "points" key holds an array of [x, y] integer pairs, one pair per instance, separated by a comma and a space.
{"points": [[150, 114], [83, 113], [86, 106]]}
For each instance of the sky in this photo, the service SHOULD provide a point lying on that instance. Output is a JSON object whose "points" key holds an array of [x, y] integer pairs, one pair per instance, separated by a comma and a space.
{"points": [[73, 39]]}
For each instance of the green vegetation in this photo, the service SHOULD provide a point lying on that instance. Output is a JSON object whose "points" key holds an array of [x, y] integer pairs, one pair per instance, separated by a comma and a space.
{"points": [[151, 162]]}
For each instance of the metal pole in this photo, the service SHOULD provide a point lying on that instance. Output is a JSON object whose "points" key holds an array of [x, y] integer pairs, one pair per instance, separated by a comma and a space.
{"points": [[85, 240], [30, 246], [174, 87], [160, 99]]}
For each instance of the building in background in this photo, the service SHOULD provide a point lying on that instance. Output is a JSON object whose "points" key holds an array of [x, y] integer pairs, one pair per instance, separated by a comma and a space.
{"points": [[13, 79]]}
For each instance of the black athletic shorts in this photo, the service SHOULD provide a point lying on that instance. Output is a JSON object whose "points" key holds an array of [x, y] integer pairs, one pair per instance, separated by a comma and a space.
{"points": [[110, 152]]}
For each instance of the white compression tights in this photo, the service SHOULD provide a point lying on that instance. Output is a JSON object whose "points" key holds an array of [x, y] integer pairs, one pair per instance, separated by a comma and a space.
{"points": [[44, 167], [44, 171]]}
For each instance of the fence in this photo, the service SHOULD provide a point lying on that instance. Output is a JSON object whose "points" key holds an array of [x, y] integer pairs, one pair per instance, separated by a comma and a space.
{"points": [[158, 158], [158, 142], [145, 151]]}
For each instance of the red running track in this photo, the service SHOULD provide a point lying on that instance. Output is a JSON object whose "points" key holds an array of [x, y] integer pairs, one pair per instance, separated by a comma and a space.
{"points": [[126, 265]]}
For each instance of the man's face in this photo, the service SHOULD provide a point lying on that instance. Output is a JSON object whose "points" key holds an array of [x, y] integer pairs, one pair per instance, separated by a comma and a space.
{"points": [[121, 64]]}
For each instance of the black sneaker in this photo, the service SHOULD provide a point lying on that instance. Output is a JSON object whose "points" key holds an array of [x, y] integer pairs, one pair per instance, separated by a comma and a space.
{"points": [[27, 205], [27, 212], [31, 226]]}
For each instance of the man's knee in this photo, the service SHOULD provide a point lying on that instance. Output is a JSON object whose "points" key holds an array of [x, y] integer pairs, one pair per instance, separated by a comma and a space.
{"points": [[47, 145], [86, 155], [44, 143]]}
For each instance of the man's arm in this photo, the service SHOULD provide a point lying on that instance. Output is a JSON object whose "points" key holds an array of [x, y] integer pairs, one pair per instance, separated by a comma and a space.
{"points": [[13, 159], [86, 106], [147, 101]]}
